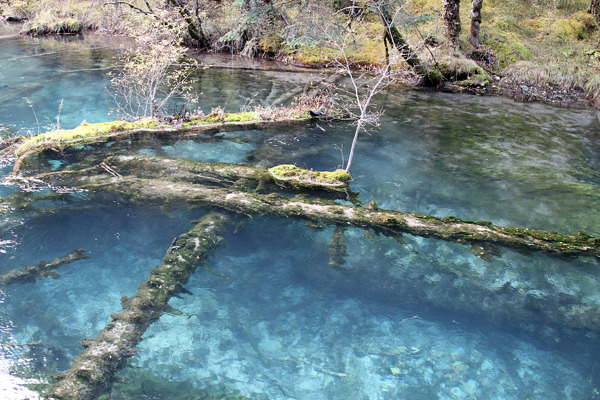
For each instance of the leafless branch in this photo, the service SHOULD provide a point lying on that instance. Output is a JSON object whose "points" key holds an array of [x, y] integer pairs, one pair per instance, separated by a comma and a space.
{"points": [[133, 7]]}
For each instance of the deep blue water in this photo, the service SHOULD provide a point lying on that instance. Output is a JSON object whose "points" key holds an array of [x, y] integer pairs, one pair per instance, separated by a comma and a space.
{"points": [[402, 318]]}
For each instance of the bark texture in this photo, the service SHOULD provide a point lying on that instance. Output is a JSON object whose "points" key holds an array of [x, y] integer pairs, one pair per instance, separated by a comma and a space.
{"points": [[475, 22], [393, 37], [194, 24], [595, 9], [451, 13]]}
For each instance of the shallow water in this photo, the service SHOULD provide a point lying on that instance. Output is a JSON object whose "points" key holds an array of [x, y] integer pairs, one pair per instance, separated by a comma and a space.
{"points": [[401, 318]]}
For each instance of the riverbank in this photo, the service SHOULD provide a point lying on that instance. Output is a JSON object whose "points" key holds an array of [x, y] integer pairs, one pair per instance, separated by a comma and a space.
{"points": [[530, 52]]}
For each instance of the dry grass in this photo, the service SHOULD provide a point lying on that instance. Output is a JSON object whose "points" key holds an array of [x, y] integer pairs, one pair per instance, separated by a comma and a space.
{"points": [[592, 90], [558, 76]]}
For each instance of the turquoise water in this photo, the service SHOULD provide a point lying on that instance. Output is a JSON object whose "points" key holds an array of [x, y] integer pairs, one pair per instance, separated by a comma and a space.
{"points": [[401, 318]]}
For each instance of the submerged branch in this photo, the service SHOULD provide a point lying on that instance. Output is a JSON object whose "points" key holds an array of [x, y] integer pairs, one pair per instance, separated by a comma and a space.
{"points": [[92, 372], [146, 179], [40, 269]]}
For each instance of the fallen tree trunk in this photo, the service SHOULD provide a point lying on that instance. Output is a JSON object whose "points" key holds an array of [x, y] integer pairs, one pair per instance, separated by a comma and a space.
{"points": [[92, 372], [40, 269], [162, 180], [24, 147]]}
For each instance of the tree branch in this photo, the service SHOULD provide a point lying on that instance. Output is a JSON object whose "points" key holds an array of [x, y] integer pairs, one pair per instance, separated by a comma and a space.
{"points": [[133, 7]]}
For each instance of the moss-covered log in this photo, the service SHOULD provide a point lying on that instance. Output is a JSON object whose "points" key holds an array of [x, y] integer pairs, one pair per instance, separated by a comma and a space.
{"points": [[40, 269], [23, 147], [304, 178], [92, 372], [137, 178]]}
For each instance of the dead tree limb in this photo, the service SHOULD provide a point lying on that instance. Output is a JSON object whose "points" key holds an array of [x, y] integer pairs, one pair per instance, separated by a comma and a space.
{"points": [[132, 6], [451, 14], [393, 36], [40, 269]]}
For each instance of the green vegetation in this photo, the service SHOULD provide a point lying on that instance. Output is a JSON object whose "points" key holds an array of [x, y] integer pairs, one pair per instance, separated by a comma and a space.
{"points": [[550, 46], [55, 16], [543, 44], [84, 131], [304, 177]]}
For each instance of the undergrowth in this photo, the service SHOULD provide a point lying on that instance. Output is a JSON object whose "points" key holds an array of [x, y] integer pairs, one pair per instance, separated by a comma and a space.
{"points": [[555, 43]]}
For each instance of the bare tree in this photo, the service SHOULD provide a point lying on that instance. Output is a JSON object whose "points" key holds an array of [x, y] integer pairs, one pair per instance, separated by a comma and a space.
{"points": [[188, 11], [192, 17], [149, 75], [364, 85], [475, 22], [392, 36]]}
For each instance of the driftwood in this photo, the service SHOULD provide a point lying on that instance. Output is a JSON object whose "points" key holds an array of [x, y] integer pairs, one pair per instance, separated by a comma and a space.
{"points": [[40, 269], [92, 372], [238, 189]]}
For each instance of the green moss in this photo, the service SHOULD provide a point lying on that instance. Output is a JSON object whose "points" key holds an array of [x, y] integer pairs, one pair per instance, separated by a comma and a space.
{"points": [[59, 137], [83, 131], [570, 28], [311, 178], [477, 80], [434, 76], [367, 48], [242, 116], [46, 23], [509, 47], [463, 71], [84, 374]]}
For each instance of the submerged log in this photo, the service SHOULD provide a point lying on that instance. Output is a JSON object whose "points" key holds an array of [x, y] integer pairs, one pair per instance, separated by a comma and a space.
{"points": [[143, 178], [92, 372], [40, 269], [337, 248]]}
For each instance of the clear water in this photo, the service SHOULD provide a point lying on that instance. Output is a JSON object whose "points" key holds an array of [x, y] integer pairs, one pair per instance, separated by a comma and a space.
{"points": [[400, 319]]}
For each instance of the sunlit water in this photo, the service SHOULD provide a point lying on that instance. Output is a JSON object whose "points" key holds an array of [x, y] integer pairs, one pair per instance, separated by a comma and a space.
{"points": [[401, 318]]}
